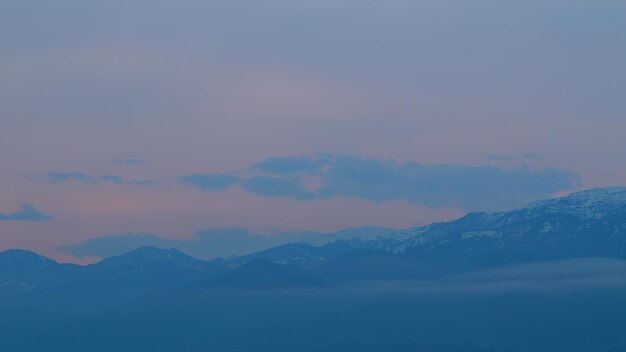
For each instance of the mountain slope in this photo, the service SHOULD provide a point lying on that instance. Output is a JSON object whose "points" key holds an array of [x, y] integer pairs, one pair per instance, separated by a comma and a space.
{"points": [[320, 249], [27, 276], [19, 270], [147, 268], [585, 224]]}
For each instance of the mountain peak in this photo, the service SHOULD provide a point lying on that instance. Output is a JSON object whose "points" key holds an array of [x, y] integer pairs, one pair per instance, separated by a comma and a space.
{"points": [[602, 193], [23, 261], [365, 233], [148, 254], [592, 203], [23, 255]]}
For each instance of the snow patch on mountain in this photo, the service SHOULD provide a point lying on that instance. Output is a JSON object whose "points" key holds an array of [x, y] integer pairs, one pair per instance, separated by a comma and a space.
{"points": [[592, 204], [480, 234], [359, 234]]}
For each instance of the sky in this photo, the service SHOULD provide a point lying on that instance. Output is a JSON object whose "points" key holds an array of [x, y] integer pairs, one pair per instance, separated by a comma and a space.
{"points": [[160, 119]]}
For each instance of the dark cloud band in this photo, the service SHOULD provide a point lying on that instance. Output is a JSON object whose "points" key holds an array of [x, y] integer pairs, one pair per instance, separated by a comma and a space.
{"points": [[26, 213], [432, 185]]}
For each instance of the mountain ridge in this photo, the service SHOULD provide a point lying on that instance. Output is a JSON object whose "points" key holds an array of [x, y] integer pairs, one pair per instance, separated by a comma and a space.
{"points": [[590, 223]]}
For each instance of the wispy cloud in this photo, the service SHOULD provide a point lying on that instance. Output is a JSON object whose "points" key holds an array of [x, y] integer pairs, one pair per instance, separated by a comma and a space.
{"points": [[288, 165], [62, 177], [377, 180], [206, 181], [26, 213], [274, 186]]}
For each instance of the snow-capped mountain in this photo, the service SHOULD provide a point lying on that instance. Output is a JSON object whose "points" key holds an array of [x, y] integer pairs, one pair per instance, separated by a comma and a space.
{"points": [[595, 203], [319, 249], [584, 224], [587, 223], [358, 234]]}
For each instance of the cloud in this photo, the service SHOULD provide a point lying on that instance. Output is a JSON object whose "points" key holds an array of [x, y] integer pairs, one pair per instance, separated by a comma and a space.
{"points": [[142, 182], [206, 181], [287, 166], [62, 177], [376, 180], [205, 244], [274, 186], [27, 213]]}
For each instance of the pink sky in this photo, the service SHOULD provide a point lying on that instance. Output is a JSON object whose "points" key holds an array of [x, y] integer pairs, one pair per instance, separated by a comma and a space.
{"points": [[214, 88]]}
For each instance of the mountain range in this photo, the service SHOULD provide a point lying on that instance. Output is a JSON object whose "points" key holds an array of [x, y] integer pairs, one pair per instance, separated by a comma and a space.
{"points": [[550, 276], [585, 224]]}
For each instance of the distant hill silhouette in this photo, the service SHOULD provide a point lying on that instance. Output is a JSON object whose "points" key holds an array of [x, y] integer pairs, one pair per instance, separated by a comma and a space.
{"points": [[585, 224]]}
